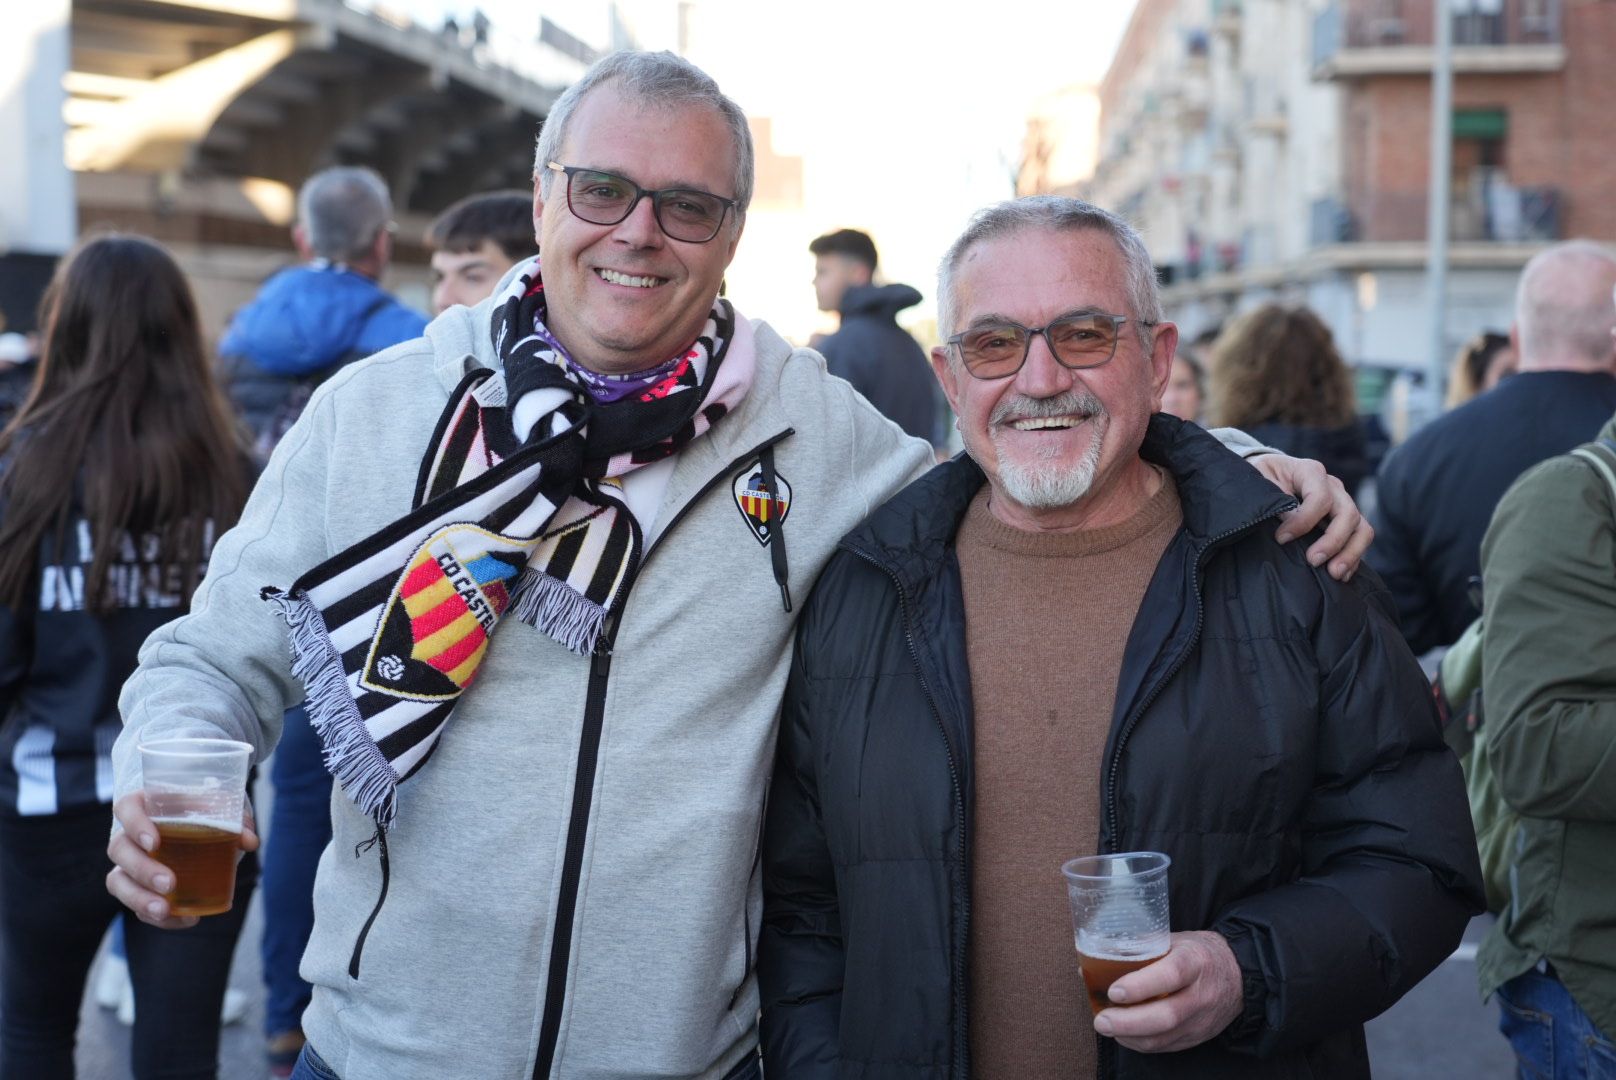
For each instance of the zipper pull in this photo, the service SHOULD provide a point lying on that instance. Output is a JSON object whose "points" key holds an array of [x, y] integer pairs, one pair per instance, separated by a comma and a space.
{"points": [[600, 659]]}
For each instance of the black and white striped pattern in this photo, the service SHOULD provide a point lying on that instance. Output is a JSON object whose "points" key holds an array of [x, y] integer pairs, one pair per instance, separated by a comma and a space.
{"points": [[377, 736], [515, 485]]}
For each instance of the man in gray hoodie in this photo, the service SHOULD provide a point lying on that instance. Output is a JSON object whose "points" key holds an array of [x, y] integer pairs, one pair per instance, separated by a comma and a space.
{"points": [[545, 834]]}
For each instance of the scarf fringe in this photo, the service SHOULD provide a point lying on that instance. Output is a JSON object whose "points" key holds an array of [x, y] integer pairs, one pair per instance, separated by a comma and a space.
{"points": [[552, 607], [351, 756]]}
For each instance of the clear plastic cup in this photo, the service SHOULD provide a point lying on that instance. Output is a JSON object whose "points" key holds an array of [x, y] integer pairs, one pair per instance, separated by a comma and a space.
{"points": [[1119, 916], [195, 789]]}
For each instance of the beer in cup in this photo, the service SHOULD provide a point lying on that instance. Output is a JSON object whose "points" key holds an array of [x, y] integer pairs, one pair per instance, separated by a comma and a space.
{"points": [[194, 793], [1119, 916]]}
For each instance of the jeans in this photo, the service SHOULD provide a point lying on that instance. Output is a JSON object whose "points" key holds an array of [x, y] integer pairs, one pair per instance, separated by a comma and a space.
{"points": [[310, 1066], [54, 911], [299, 830], [1552, 1037]]}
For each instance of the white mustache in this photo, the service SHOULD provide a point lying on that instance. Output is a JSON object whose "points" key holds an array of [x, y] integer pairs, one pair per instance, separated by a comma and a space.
{"points": [[1070, 403]]}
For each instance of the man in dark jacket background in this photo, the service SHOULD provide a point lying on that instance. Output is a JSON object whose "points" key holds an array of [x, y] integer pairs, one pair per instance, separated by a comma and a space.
{"points": [[1437, 492], [307, 321], [1097, 649], [870, 350]]}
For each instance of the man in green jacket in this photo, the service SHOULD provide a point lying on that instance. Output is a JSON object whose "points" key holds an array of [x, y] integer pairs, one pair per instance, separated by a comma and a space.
{"points": [[1549, 673]]}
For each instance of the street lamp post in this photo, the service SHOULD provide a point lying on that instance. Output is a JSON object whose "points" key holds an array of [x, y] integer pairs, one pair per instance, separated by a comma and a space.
{"points": [[1436, 259]]}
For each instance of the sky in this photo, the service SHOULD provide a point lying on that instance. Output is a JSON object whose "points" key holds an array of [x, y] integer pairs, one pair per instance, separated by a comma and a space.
{"points": [[908, 115]]}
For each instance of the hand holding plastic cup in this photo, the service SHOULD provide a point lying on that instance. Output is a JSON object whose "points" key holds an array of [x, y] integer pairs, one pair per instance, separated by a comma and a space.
{"points": [[1119, 916], [195, 789]]}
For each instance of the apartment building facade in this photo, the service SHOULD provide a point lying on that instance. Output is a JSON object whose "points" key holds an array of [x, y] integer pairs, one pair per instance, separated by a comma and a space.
{"points": [[1280, 149]]}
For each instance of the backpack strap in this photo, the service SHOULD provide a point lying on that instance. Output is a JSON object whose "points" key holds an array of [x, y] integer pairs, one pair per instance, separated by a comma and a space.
{"points": [[1601, 461]]}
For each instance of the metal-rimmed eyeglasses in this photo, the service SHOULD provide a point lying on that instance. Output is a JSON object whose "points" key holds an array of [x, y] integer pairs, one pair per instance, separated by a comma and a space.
{"points": [[603, 198], [1083, 339]]}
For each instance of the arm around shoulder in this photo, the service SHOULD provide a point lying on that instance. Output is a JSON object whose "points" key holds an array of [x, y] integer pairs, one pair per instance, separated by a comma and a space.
{"points": [[884, 459]]}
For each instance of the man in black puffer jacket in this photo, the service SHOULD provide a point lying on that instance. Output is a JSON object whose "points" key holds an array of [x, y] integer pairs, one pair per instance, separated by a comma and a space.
{"points": [[1098, 649]]}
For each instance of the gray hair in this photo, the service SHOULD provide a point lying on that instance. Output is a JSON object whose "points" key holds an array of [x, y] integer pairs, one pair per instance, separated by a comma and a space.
{"points": [[342, 209], [661, 80], [1563, 304], [1055, 213]]}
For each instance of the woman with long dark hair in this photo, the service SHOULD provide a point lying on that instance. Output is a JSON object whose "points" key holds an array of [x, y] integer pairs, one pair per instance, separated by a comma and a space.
{"points": [[116, 474]]}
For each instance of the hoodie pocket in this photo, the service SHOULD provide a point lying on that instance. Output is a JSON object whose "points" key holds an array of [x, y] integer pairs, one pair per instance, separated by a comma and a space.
{"points": [[748, 958]]}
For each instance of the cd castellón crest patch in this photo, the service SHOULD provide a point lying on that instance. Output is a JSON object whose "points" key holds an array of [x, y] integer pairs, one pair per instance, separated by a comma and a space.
{"points": [[762, 509]]}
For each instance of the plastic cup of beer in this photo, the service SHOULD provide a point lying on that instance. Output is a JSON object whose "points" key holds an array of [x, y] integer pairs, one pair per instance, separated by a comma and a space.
{"points": [[1119, 916], [194, 794]]}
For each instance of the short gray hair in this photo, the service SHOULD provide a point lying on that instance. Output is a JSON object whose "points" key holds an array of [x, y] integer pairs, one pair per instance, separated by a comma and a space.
{"points": [[1055, 213], [663, 81], [1553, 315], [342, 209]]}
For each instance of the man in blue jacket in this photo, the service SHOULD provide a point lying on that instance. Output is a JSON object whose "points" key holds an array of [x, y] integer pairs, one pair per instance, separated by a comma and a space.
{"points": [[305, 323], [309, 320]]}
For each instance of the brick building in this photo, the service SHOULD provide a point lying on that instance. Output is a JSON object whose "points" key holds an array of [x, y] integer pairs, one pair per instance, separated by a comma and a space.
{"points": [[1279, 148]]}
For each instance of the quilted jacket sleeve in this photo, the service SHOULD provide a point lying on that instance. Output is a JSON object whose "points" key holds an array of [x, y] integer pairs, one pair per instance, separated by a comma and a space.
{"points": [[1389, 870]]}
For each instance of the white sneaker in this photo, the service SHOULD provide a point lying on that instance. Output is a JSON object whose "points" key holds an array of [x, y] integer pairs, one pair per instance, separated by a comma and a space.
{"points": [[111, 981], [126, 1005], [235, 1006]]}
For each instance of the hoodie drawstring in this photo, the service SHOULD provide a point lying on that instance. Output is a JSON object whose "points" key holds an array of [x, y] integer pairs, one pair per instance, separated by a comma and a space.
{"points": [[777, 535]]}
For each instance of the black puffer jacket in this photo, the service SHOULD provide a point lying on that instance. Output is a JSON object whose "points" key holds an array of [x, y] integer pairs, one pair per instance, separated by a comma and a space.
{"points": [[1272, 734]]}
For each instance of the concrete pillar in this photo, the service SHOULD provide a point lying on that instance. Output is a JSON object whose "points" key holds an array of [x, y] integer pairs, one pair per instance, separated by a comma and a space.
{"points": [[37, 209]]}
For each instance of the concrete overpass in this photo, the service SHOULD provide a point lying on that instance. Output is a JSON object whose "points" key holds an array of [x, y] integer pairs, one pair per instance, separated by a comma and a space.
{"points": [[194, 121], [274, 89]]}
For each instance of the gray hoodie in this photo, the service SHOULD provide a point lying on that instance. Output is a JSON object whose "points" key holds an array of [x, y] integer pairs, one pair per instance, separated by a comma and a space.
{"points": [[573, 874]]}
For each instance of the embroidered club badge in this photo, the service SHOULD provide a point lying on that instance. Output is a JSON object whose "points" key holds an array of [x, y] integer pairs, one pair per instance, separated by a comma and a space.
{"points": [[760, 508]]}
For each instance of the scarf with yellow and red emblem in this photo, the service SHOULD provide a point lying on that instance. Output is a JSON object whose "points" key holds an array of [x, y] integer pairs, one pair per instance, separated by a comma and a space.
{"points": [[518, 509]]}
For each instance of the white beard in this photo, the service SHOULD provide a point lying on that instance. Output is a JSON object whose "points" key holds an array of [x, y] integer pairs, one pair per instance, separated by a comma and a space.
{"points": [[1047, 484]]}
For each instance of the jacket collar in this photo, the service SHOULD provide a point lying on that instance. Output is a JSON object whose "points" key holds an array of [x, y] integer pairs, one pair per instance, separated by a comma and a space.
{"points": [[911, 534]]}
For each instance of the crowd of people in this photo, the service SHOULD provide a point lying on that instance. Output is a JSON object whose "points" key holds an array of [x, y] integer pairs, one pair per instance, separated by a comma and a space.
{"points": [[748, 732]]}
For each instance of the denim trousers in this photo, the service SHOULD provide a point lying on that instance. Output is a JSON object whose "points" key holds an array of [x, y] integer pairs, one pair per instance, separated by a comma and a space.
{"points": [[1552, 1037], [299, 830], [310, 1066]]}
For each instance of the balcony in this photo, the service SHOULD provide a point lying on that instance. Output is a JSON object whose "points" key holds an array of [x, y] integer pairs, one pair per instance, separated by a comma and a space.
{"points": [[1355, 39], [1226, 17], [1489, 212]]}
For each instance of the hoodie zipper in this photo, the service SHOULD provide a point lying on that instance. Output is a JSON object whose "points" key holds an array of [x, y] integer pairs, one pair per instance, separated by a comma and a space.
{"points": [[1108, 1058], [961, 1048], [600, 668]]}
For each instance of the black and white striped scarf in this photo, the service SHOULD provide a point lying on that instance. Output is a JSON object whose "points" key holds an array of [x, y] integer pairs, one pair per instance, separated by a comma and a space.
{"points": [[517, 508]]}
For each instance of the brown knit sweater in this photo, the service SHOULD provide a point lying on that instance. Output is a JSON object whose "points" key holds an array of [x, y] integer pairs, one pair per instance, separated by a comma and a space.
{"points": [[1047, 616]]}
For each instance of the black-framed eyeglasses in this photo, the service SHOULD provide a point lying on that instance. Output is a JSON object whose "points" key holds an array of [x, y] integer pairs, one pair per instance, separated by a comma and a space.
{"points": [[1077, 341], [603, 198]]}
